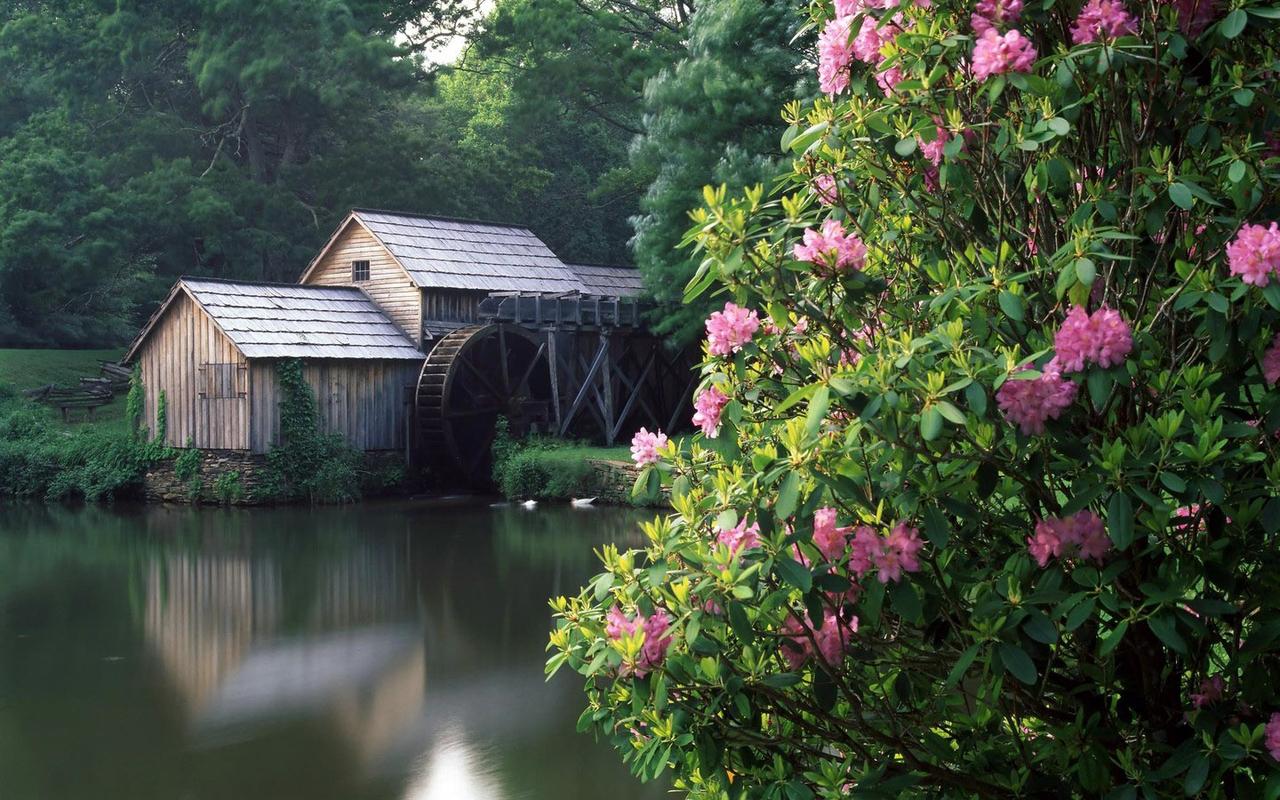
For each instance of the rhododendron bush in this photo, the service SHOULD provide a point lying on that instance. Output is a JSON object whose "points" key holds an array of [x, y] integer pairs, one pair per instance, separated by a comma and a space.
{"points": [[985, 497]]}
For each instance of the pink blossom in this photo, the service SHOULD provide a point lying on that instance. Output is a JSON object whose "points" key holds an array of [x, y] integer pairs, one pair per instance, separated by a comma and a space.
{"points": [[1254, 254], [995, 54], [739, 538], [1029, 404], [1082, 535], [989, 14], [889, 79], [835, 55], [847, 8], [827, 190], [1273, 736], [1102, 19], [1103, 338], [871, 37], [655, 643], [865, 545], [707, 407], [832, 638], [829, 539], [645, 446], [1210, 692], [832, 247], [1271, 362], [899, 553], [729, 330], [932, 151]]}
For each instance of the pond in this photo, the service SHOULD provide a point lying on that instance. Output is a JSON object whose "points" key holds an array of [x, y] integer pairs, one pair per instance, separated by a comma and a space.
{"points": [[378, 651]]}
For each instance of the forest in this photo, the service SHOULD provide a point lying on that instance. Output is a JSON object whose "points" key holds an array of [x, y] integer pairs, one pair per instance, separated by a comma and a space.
{"points": [[140, 141]]}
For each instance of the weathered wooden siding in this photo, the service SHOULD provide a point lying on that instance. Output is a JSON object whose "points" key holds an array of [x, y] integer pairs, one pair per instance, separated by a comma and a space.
{"points": [[364, 401], [171, 358], [453, 305], [388, 285]]}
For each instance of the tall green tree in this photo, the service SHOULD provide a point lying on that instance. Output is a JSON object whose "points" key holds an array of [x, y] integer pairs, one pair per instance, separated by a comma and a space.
{"points": [[712, 118]]}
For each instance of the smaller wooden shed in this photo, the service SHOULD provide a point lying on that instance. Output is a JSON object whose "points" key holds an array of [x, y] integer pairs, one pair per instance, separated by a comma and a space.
{"points": [[212, 347]]}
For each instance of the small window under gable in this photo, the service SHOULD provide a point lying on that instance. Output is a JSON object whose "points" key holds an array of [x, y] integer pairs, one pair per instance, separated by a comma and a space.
{"points": [[219, 380], [359, 271]]}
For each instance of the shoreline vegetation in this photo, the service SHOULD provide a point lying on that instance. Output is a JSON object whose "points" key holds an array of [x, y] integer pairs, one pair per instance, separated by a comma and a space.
{"points": [[105, 458]]}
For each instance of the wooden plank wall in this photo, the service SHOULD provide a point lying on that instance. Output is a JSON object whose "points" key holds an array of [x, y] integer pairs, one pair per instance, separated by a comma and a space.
{"points": [[183, 340], [454, 305], [388, 285], [364, 401]]}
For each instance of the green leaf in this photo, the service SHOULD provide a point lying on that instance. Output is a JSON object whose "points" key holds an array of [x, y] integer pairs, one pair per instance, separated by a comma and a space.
{"points": [[1271, 515], [1194, 780], [1012, 305], [1233, 24], [1181, 196], [951, 413], [1086, 271], [962, 665], [936, 528], [975, 394], [788, 495], [1120, 520], [931, 423], [905, 147], [1079, 614], [817, 411], [811, 134], [905, 600], [803, 393], [739, 622], [1235, 173], [1018, 663], [793, 572], [727, 520], [1059, 126], [1165, 627], [782, 680], [1113, 638], [1099, 385], [1039, 627]]}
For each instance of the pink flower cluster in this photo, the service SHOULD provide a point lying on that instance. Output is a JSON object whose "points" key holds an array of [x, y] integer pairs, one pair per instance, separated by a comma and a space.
{"points": [[831, 638], [829, 539], [1102, 19], [1210, 692], [1254, 254], [932, 151], [827, 190], [729, 330], [1029, 404], [739, 538], [706, 410], [832, 247], [891, 556], [1081, 534], [995, 54], [1101, 338], [656, 638], [1273, 736], [645, 446], [1271, 362], [835, 55], [988, 14]]}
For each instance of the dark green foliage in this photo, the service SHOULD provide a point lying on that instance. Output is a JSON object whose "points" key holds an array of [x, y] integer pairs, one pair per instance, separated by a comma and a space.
{"points": [[227, 488], [43, 460], [538, 468], [308, 464], [710, 119], [162, 417], [186, 468], [135, 403]]}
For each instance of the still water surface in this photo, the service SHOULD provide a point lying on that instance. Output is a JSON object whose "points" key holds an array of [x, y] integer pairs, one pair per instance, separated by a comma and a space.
{"points": [[381, 651]]}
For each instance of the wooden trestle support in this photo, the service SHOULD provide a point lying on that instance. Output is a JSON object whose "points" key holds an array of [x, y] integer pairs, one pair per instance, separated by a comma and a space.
{"points": [[562, 374]]}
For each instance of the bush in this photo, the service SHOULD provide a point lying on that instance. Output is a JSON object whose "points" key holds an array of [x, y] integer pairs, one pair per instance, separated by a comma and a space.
{"points": [[985, 502], [540, 468]]}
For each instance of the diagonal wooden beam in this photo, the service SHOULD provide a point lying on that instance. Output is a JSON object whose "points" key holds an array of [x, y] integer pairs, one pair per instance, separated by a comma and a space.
{"points": [[635, 394], [587, 380]]}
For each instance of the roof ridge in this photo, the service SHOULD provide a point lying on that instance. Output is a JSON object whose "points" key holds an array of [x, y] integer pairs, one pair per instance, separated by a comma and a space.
{"points": [[442, 217], [631, 267], [282, 284]]}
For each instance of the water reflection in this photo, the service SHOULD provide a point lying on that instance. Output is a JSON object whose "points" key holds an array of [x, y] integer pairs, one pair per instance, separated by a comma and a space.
{"points": [[390, 651]]}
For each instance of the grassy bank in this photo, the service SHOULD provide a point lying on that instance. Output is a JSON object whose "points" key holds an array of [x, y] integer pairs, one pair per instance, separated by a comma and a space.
{"points": [[28, 369]]}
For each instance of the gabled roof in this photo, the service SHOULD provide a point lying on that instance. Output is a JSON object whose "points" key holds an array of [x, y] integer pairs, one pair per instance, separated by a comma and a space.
{"points": [[609, 281], [445, 253], [274, 320]]}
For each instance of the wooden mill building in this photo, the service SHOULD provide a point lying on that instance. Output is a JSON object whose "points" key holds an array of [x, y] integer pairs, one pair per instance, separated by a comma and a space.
{"points": [[498, 313]]}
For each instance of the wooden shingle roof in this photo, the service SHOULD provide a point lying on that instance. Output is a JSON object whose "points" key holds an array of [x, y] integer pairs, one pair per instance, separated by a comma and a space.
{"points": [[442, 253], [271, 320], [609, 281]]}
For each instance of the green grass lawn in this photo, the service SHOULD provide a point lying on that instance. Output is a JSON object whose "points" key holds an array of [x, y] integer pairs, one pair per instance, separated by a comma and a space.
{"points": [[27, 369]]}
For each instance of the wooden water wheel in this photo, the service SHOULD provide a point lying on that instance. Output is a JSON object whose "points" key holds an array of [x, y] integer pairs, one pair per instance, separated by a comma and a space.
{"points": [[471, 377]]}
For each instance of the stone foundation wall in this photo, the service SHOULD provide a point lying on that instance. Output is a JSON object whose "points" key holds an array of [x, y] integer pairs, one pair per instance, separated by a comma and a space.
{"points": [[615, 480], [217, 484]]}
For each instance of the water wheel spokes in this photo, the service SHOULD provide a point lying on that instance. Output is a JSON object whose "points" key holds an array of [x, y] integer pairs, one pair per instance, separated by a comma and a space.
{"points": [[466, 385]]}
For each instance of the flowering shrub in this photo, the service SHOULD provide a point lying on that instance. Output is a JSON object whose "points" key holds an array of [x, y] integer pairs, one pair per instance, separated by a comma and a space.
{"points": [[988, 504]]}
